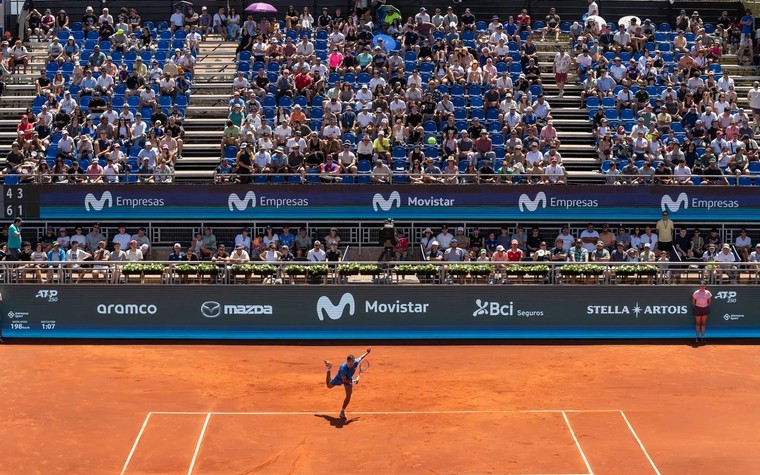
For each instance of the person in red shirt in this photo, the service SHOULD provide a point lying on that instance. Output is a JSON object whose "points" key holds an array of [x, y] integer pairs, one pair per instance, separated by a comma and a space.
{"points": [[303, 83], [515, 254], [329, 170], [25, 129], [523, 19]]}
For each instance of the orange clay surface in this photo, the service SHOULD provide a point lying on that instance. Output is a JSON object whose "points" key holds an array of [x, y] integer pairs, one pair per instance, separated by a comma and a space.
{"points": [[78, 409]]}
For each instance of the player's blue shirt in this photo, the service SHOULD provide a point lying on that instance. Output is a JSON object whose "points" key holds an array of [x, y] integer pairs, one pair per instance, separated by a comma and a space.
{"points": [[344, 370]]}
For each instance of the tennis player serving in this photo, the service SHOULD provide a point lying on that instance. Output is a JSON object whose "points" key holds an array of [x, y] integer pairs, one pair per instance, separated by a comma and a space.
{"points": [[345, 376]]}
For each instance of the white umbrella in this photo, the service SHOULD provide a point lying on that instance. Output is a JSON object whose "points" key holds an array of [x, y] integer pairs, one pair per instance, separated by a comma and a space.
{"points": [[626, 20], [597, 19]]}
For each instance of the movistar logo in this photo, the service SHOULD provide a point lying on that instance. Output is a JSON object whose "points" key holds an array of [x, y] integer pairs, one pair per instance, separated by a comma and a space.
{"points": [[531, 204], [378, 201], [667, 203], [234, 201], [93, 204], [335, 312]]}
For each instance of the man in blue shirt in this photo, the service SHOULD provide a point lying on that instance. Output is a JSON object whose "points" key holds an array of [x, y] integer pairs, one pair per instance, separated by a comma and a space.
{"points": [[604, 84], [287, 239], [747, 22], [345, 377]]}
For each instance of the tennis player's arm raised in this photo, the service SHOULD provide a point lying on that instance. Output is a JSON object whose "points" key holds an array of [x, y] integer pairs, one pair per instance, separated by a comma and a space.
{"points": [[358, 360]]}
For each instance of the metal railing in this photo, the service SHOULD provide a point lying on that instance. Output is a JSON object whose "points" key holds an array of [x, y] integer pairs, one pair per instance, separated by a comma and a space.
{"points": [[397, 178], [399, 272]]}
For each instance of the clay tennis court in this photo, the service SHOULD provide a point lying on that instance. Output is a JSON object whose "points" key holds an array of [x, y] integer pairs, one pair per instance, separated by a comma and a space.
{"points": [[507, 409]]}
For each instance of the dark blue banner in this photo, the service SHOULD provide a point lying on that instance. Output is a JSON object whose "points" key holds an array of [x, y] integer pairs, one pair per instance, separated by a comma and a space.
{"points": [[370, 312], [407, 202]]}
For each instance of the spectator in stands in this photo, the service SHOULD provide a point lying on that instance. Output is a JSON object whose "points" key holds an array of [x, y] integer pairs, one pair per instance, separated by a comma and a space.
{"points": [[713, 175], [743, 245], [19, 57], [555, 173], [93, 238]]}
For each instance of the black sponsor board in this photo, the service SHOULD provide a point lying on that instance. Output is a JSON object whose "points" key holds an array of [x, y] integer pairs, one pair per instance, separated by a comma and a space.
{"points": [[349, 312]]}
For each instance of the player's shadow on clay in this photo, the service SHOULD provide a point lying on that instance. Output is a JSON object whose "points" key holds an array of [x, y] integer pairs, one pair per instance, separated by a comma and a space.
{"points": [[337, 422]]}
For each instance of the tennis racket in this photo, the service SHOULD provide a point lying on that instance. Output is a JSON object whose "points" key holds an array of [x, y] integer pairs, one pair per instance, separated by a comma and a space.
{"points": [[363, 369]]}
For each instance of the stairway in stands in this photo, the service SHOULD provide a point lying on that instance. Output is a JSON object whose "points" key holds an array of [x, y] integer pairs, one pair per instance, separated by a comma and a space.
{"points": [[207, 112]]}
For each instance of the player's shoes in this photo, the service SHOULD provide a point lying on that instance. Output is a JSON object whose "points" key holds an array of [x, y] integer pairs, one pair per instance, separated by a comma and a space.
{"points": [[328, 365], [343, 415]]}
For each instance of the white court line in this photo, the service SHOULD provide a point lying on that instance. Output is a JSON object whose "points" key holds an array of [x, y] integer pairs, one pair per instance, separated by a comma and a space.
{"points": [[137, 441], [577, 444], [390, 413], [198, 445], [651, 462]]}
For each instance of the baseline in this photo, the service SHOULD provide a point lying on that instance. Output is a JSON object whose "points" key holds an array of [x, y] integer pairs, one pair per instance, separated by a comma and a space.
{"points": [[389, 413]]}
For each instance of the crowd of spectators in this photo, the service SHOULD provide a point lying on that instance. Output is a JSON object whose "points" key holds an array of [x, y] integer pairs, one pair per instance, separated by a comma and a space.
{"points": [[663, 108], [440, 98], [443, 97], [446, 99], [662, 242], [110, 103]]}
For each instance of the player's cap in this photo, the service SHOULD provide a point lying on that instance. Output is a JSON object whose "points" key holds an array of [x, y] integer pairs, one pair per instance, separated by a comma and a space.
{"points": [[499, 247], [711, 246], [317, 243], [427, 230], [434, 243], [726, 246], [177, 245], [647, 245]]}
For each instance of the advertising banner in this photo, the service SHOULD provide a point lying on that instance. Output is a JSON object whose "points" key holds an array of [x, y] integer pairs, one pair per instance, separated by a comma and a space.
{"points": [[409, 202], [369, 312]]}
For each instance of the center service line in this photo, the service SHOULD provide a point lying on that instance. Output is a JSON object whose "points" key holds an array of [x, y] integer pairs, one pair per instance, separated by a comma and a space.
{"points": [[198, 445]]}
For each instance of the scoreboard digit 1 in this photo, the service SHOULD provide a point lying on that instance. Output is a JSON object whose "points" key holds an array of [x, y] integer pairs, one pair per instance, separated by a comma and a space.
{"points": [[21, 201]]}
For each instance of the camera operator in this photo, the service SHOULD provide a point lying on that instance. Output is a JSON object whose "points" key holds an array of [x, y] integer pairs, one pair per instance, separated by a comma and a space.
{"points": [[388, 241]]}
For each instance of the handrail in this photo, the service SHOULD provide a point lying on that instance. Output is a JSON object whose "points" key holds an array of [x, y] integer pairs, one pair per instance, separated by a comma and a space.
{"points": [[398, 178], [486, 272]]}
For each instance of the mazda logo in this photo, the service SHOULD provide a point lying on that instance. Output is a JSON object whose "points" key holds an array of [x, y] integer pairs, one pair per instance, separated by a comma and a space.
{"points": [[211, 309]]}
